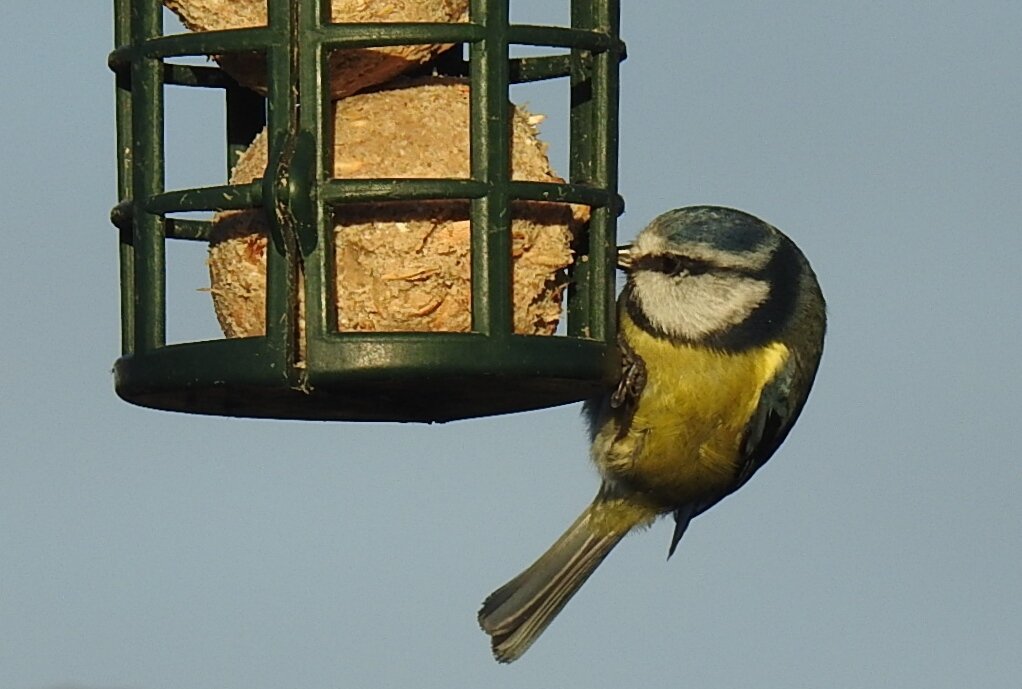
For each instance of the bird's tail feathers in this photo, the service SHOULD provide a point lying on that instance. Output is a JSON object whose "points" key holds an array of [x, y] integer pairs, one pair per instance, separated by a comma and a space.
{"points": [[519, 611]]}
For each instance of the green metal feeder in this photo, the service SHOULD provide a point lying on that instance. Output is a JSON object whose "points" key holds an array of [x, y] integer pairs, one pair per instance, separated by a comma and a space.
{"points": [[393, 376]]}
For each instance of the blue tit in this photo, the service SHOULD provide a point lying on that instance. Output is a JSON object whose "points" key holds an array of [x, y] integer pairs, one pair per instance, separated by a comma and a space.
{"points": [[721, 324]]}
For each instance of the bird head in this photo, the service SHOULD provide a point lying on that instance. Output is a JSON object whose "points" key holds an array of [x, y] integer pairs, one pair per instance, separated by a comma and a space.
{"points": [[707, 274]]}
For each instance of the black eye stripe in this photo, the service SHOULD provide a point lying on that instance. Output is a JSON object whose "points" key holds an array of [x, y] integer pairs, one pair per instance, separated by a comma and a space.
{"points": [[672, 264], [676, 264]]}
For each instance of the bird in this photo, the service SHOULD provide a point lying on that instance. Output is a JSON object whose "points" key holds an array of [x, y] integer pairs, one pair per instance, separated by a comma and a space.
{"points": [[721, 324]]}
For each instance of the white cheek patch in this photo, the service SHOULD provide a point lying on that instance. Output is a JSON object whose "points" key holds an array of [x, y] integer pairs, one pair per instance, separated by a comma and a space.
{"points": [[695, 306]]}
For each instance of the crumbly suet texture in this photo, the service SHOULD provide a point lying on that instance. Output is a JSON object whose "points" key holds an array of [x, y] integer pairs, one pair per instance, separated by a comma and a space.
{"points": [[405, 266], [350, 70]]}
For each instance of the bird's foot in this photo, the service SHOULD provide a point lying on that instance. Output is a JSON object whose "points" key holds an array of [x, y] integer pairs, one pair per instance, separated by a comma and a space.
{"points": [[633, 375]]}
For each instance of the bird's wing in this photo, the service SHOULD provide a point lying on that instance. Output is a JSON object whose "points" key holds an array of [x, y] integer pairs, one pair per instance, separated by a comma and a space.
{"points": [[770, 422]]}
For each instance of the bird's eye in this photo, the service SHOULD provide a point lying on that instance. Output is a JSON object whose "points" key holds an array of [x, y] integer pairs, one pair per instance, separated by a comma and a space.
{"points": [[676, 264]]}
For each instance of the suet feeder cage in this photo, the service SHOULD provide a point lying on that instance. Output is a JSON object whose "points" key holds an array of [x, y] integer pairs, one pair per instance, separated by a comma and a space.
{"points": [[310, 212]]}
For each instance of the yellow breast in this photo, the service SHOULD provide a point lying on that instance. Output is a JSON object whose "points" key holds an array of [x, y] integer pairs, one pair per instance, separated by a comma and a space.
{"points": [[681, 443]]}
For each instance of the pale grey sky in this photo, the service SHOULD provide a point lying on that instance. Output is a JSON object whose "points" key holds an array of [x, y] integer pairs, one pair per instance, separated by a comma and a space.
{"points": [[882, 546]]}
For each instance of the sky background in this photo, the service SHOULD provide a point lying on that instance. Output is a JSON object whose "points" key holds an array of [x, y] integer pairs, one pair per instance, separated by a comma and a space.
{"points": [[882, 547]]}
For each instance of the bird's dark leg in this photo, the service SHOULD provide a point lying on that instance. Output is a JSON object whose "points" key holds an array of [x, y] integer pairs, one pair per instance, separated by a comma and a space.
{"points": [[633, 375]]}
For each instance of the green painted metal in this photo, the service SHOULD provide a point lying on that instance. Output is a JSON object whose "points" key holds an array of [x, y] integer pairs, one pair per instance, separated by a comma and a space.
{"points": [[362, 376]]}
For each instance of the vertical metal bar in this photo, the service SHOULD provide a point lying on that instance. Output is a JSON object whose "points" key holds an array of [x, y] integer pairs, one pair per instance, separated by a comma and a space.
{"points": [[147, 180], [581, 164], [489, 133], [282, 104], [604, 240], [126, 249], [594, 151], [316, 124]]}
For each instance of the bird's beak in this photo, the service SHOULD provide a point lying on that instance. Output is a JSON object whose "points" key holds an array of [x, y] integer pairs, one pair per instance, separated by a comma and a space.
{"points": [[624, 257]]}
